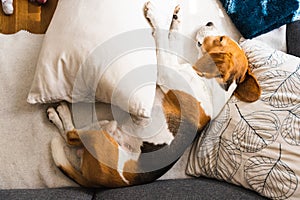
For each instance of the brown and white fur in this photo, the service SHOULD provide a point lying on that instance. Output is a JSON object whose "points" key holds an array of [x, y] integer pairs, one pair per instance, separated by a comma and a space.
{"points": [[119, 154]]}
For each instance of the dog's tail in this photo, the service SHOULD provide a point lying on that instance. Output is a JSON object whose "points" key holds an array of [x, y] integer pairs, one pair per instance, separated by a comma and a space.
{"points": [[62, 162]]}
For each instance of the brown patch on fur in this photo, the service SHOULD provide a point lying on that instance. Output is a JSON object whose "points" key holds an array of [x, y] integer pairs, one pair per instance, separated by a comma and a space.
{"points": [[73, 138], [172, 111], [129, 167], [101, 154], [100, 159], [179, 106]]}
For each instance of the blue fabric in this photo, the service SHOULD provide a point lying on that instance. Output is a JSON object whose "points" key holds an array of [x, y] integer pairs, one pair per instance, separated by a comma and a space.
{"points": [[255, 17]]}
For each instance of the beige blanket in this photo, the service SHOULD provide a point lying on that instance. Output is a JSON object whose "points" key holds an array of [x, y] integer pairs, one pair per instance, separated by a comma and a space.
{"points": [[25, 159]]}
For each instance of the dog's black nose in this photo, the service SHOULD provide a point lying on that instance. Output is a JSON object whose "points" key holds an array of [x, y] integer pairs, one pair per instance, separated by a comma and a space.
{"points": [[209, 24]]}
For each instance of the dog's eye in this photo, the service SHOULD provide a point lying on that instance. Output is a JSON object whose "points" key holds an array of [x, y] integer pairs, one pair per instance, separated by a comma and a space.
{"points": [[220, 76], [221, 38], [198, 44]]}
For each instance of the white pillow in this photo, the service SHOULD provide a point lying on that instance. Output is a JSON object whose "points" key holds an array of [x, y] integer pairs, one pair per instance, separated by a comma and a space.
{"points": [[98, 50], [257, 145]]}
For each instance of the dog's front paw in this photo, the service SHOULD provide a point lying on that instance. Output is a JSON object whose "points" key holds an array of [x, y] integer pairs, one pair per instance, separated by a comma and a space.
{"points": [[175, 19], [55, 119], [160, 13]]}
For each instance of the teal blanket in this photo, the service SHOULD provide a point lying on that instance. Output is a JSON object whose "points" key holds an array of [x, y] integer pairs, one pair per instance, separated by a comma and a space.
{"points": [[255, 17]]}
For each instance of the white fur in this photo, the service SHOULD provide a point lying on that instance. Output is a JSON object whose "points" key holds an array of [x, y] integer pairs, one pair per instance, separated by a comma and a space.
{"points": [[155, 132], [65, 115], [206, 31], [58, 153], [54, 118], [172, 75]]}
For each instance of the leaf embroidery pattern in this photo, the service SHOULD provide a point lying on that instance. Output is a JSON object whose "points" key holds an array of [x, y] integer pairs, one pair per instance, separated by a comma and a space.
{"points": [[218, 123], [233, 100], [219, 158], [270, 177], [276, 59], [255, 131], [280, 88], [291, 126], [258, 58]]}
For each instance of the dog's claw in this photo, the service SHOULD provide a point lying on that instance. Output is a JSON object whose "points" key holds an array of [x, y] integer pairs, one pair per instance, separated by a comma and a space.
{"points": [[177, 9]]}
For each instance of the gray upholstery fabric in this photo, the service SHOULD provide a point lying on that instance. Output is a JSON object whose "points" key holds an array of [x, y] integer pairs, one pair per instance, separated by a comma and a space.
{"points": [[293, 38], [199, 188], [47, 194]]}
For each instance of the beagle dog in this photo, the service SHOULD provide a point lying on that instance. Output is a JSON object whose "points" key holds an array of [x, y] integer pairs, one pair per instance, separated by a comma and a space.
{"points": [[118, 153], [224, 60]]}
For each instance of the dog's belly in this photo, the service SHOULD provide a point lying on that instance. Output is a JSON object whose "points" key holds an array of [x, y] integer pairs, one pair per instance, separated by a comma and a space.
{"points": [[145, 151], [173, 126]]}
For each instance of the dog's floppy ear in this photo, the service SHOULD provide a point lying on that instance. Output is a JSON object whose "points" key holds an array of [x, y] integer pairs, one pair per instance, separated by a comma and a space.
{"points": [[248, 90]]}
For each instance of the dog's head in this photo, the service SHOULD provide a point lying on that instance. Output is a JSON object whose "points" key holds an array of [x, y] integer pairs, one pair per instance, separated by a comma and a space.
{"points": [[224, 60]]}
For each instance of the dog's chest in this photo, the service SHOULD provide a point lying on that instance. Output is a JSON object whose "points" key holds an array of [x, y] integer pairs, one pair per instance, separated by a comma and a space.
{"points": [[184, 78], [208, 92]]}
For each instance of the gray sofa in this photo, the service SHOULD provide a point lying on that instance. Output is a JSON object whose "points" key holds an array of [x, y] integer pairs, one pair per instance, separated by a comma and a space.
{"points": [[200, 188], [195, 188]]}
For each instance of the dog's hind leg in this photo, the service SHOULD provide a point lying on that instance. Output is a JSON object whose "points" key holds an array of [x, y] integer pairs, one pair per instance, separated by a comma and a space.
{"points": [[71, 134], [65, 115], [59, 120], [55, 119], [62, 162], [62, 119]]}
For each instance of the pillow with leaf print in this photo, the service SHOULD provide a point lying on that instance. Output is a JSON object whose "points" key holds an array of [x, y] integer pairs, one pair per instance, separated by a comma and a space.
{"points": [[257, 145]]}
